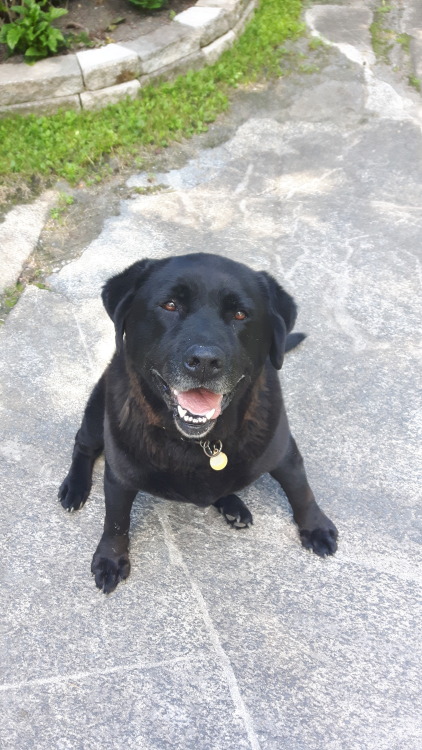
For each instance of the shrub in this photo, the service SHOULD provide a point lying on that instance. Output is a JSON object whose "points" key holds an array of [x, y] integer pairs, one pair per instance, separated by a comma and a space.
{"points": [[30, 29], [149, 4]]}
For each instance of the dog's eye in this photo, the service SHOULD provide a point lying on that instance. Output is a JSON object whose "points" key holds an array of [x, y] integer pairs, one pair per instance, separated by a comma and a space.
{"points": [[240, 315], [170, 306]]}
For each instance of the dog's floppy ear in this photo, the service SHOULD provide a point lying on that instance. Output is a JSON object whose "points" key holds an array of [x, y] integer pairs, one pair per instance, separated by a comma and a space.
{"points": [[283, 316], [119, 291]]}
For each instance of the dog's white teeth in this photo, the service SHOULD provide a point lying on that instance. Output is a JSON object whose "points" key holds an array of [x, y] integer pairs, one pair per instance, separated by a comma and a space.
{"points": [[197, 420], [176, 393], [181, 411], [209, 414]]}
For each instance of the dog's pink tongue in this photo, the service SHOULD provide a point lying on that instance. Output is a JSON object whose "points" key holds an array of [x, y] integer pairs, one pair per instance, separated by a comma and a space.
{"points": [[200, 401]]}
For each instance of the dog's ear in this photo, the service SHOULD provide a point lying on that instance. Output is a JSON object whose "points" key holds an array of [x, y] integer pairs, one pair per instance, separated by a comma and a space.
{"points": [[283, 316], [119, 291]]}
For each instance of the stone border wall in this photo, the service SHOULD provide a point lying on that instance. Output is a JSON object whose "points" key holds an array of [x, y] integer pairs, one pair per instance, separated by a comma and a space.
{"points": [[93, 78]]}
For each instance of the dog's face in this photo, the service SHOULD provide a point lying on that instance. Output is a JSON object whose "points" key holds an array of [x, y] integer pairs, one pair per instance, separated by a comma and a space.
{"points": [[198, 329]]}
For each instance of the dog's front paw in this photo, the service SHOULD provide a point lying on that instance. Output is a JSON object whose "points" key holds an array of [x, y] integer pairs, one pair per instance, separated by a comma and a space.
{"points": [[110, 565], [234, 511], [322, 541], [73, 492]]}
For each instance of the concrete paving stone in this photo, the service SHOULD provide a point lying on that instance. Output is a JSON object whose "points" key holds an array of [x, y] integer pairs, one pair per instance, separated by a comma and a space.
{"points": [[171, 705], [41, 353], [197, 171], [223, 639], [43, 106], [416, 54], [412, 24], [108, 66], [24, 222], [51, 592], [164, 47], [412, 16], [345, 26], [110, 95], [56, 76], [329, 663], [347, 96], [213, 51], [209, 22]]}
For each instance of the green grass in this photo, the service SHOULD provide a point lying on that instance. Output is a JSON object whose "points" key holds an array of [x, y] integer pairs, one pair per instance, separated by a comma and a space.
{"points": [[415, 82], [382, 41], [316, 43], [12, 294], [75, 146], [382, 38], [404, 41], [63, 202]]}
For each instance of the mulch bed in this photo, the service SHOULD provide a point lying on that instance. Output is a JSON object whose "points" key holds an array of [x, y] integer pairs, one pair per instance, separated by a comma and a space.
{"points": [[93, 23]]}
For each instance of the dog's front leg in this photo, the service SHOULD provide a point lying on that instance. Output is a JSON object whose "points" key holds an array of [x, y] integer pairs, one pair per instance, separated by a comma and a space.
{"points": [[316, 531], [110, 563]]}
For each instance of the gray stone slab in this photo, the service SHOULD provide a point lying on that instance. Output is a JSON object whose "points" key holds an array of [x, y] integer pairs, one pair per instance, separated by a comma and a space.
{"points": [[209, 22], [24, 222], [56, 76], [42, 106], [37, 351], [182, 65], [213, 51], [108, 66], [245, 15], [416, 53], [164, 47], [110, 95], [412, 24], [166, 705], [345, 26], [222, 639], [331, 662]]}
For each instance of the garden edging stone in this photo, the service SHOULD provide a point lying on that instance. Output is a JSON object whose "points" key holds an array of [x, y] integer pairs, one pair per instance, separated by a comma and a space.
{"points": [[107, 66], [95, 78], [53, 77], [209, 22], [164, 47]]}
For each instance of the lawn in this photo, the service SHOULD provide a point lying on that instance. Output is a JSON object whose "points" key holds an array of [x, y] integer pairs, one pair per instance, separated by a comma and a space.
{"points": [[78, 145]]}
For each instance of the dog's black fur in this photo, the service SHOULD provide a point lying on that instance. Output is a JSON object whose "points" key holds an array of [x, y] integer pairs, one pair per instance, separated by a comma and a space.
{"points": [[195, 324]]}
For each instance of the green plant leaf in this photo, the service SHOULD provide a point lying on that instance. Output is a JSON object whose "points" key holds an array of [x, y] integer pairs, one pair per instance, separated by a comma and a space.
{"points": [[13, 35], [32, 52], [57, 13]]}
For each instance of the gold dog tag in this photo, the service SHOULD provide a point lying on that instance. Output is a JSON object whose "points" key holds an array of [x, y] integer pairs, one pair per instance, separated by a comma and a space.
{"points": [[219, 461], [213, 449]]}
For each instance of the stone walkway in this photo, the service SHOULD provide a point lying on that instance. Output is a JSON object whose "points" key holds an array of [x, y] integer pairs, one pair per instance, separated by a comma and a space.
{"points": [[225, 640]]}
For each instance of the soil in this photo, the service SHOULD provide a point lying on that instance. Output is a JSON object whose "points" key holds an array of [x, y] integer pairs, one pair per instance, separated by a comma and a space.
{"points": [[93, 23]]}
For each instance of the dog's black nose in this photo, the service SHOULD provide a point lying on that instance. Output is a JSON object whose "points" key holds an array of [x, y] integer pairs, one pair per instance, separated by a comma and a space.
{"points": [[204, 361]]}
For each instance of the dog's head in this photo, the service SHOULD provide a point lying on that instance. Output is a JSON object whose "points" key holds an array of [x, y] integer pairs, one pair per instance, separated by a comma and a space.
{"points": [[198, 329]]}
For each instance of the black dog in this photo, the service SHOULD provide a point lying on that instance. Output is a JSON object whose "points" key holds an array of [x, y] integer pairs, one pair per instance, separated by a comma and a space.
{"points": [[190, 407]]}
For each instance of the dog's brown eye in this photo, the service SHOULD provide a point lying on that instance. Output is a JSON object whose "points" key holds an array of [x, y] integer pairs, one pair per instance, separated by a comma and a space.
{"points": [[170, 306], [240, 315]]}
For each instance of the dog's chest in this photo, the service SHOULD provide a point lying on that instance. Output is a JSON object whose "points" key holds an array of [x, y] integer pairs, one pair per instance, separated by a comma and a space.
{"points": [[198, 484]]}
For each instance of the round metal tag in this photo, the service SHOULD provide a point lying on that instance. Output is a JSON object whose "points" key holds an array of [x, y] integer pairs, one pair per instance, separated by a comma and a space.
{"points": [[219, 461]]}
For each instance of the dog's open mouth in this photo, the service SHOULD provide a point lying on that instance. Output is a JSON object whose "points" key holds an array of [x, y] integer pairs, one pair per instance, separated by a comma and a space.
{"points": [[195, 410], [198, 404]]}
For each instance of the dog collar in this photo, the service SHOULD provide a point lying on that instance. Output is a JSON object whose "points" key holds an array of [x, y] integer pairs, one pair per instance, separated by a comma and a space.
{"points": [[213, 449]]}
